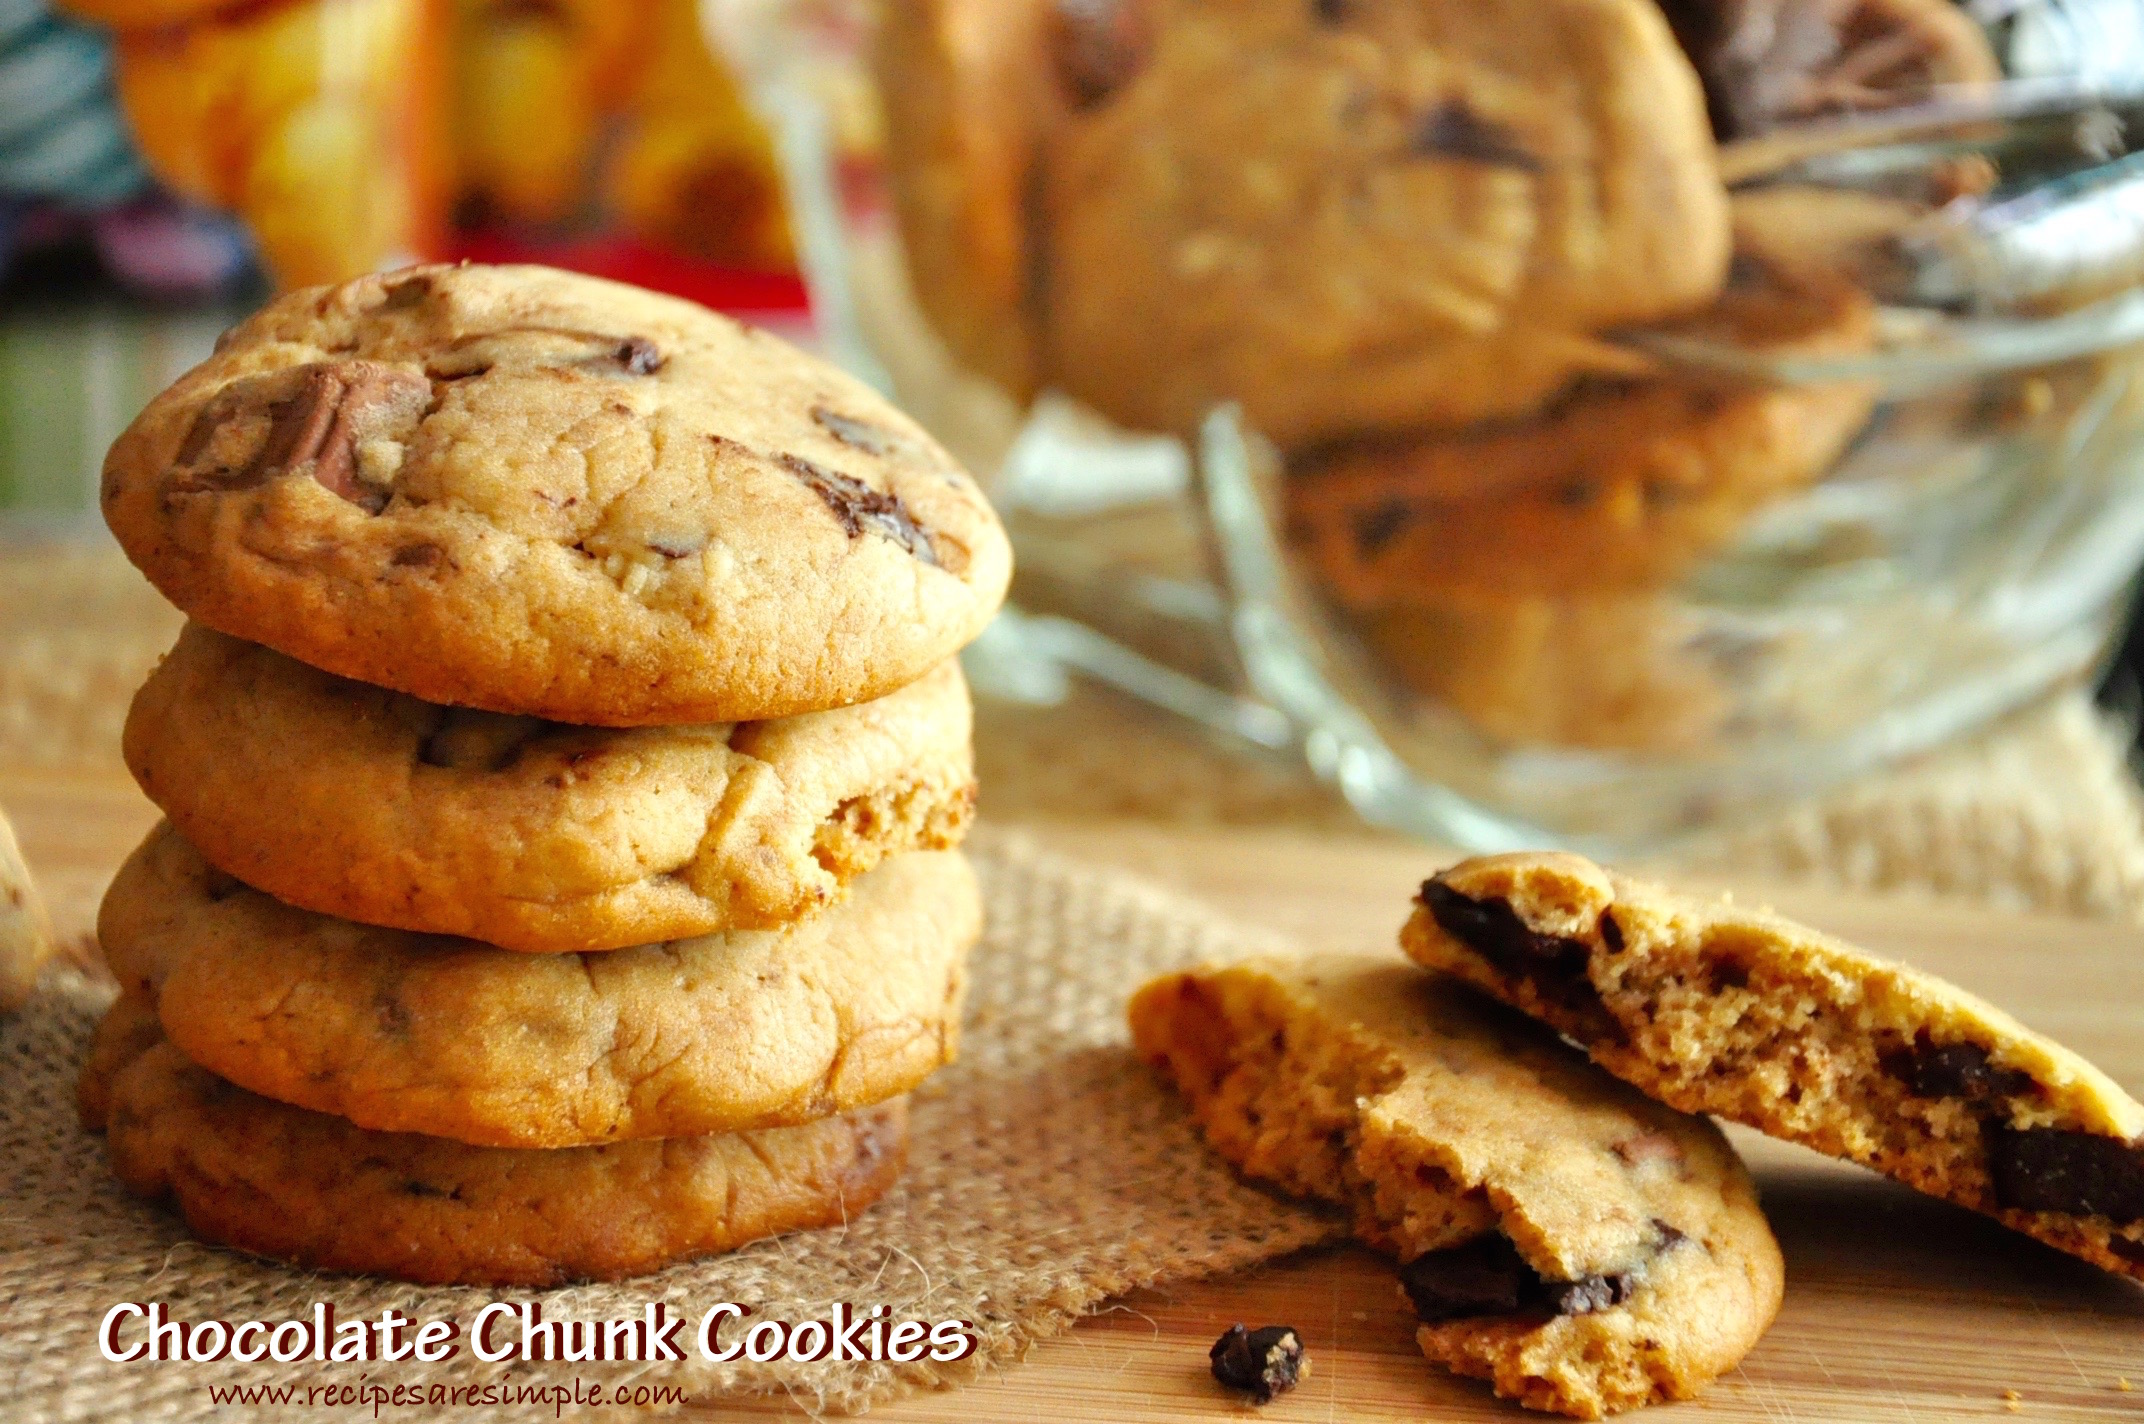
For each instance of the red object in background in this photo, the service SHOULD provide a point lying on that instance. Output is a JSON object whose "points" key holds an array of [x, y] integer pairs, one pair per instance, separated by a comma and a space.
{"points": [[626, 259]]}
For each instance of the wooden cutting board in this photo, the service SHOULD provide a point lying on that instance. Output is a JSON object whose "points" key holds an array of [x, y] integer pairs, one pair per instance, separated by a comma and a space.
{"points": [[1898, 1307]]}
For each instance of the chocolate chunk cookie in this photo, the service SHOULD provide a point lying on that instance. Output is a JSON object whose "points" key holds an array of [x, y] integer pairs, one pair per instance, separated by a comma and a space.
{"points": [[1611, 490], [315, 1191], [25, 931], [1369, 215], [368, 804], [416, 1033], [1584, 1249], [548, 495], [1717, 1009]]}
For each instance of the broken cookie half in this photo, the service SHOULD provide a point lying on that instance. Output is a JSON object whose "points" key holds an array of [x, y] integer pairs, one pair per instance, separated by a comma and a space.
{"points": [[1713, 1008], [1583, 1248]]}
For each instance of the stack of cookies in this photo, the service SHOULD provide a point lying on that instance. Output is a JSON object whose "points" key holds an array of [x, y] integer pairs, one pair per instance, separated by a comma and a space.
{"points": [[563, 772]]}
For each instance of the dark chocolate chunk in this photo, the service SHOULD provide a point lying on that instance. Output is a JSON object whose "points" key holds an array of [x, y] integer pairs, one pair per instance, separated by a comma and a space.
{"points": [[638, 356], [2128, 1250], [1591, 1294], [1262, 1362], [1553, 964], [415, 1188], [1667, 1237], [1494, 930], [1454, 131], [316, 426], [862, 509], [1101, 46], [417, 556], [1377, 527], [850, 431], [1954, 1070], [1486, 1276], [1330, 12], [2056, 1169], [1611, 932]]}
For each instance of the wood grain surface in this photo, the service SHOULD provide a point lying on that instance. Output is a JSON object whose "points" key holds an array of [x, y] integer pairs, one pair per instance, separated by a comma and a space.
{"points": [[1899, 1308]]}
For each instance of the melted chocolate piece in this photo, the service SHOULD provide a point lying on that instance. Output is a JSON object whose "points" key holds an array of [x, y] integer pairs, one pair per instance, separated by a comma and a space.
{"points": [[1492, 929], [1101, 46], [1455, 131], [1487, 1276], [1263, 1362], [849, 430], [1955, 1070], [1553, 964], [862, 509], [333, 408], [1378, 527], [638, 356], [2077, 1173]]}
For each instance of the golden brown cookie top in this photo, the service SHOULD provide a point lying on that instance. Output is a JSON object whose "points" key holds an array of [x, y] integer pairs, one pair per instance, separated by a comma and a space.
{"points": [[1371, 214], [541, 493]]}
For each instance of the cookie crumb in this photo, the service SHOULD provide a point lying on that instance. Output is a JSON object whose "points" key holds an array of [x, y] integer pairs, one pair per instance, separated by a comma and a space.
{"points": [[2121, 1382], [1263, 1362], [2012, 1400]]}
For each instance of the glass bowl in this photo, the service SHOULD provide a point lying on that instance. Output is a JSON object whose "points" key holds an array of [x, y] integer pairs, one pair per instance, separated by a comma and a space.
{"points": [[1772, 561]]}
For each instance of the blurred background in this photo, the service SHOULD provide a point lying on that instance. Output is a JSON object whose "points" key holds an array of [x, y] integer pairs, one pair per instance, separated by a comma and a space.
{"points": [[1399, 425]]}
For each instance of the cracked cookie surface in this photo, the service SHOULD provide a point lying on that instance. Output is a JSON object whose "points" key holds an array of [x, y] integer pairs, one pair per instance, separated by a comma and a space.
{"points": [[355, 801], [1718, 1009], [401, 1032], [545, 494], [324, 1195], [1582, 1247], [1368, 214]]}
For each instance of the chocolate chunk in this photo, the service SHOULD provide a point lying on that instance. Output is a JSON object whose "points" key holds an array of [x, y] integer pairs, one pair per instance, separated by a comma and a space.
{"points": [[1101, 46], [2128, 1250], [1262, 1362], [1494, 930], [315, 426], [862, 509], [415, 1188], [1667, 1237], [638, 356], [1378, 527], [417, 556], [1611, 932], [1454, 131], [1591, 1294], [2056, 1169], [1553, 964], [1954, 1070], [1487, 1276], [851, 431], [1330, 12]]}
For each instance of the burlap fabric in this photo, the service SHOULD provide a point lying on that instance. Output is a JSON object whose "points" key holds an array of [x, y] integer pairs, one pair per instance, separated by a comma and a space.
{"points": [[1047, 1170]]}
